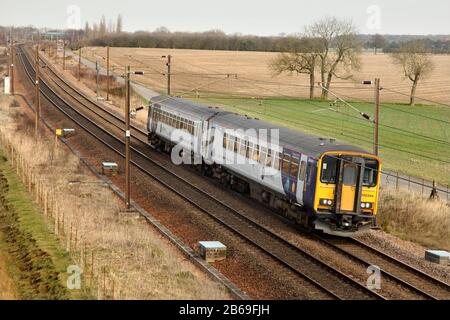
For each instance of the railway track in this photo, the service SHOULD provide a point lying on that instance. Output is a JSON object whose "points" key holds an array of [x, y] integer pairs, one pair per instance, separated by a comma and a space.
{"points": [[327, 279], [419, 282]]}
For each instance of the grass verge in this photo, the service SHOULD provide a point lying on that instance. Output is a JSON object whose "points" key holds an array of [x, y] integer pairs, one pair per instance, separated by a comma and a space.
{"points": [[410, 217], [37, 264]]}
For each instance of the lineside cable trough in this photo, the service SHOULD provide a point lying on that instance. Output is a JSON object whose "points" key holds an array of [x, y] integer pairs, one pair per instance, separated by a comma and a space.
{"points": [[438, 256]]}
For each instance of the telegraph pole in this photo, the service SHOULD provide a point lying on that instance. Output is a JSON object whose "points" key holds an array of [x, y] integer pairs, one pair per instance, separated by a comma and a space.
{"points": [[12, 69], [376, 116], [79, 64], [107, 73], [97, 70], [169, 63], [38, 98], [11, 52], [127, 138]]}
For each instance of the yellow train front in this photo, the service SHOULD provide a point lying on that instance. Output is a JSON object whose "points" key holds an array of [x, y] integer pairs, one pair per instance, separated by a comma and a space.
{"points": [[346, 192]]}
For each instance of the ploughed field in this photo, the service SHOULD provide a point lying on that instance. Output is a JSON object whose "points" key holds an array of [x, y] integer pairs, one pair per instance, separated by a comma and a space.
{"points": [[413, 140], [193, 68]]}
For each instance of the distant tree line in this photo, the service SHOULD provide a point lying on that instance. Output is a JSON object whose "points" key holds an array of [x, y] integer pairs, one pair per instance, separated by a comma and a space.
{"points": [[392, 43], [209, 40], [109, 33]]}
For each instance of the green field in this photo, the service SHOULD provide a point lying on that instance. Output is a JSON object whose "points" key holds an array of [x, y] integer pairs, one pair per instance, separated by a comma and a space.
{"points": [[413, 140]]}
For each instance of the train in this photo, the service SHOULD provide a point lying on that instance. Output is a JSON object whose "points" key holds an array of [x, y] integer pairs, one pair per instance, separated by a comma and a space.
{"points": [[316, 182]]}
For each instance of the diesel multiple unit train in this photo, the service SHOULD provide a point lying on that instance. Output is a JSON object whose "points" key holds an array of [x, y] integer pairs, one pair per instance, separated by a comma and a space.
{"points": [[314, 181]]}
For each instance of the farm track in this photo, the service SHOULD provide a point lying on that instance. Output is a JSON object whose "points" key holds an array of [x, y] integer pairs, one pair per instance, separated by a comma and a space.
{"points": [[330, 280]]}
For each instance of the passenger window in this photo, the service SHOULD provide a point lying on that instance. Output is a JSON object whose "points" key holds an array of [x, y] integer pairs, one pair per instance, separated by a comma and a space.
{"points": [[237, 145], [224, 140], [230, 145], [269, 158], [250, 150], [262, 155], [294, 167], [285, 163], [243, 150], [255, 155], [276, 163]]}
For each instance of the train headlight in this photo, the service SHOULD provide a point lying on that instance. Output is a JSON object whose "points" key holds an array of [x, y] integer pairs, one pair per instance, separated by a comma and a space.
{"points": [[326, 202], [366, 205]]}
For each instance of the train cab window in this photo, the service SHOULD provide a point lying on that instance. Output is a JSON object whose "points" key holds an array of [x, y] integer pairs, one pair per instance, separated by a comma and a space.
{"points": [[329, 169], [294, 167], [370, 173], [350, 174]]}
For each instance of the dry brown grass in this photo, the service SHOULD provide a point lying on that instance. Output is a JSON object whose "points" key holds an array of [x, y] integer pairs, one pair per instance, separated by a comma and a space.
{"points": [[414, 218], [131, 261], [253, 65]]}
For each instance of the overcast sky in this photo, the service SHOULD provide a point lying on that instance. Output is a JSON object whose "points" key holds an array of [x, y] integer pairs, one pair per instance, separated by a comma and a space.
{"points": [[261, 17]]}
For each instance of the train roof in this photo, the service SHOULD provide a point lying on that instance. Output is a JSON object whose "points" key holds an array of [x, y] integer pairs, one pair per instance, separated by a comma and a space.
{"points": [[188, 108], [291, 139], [298, 141]]}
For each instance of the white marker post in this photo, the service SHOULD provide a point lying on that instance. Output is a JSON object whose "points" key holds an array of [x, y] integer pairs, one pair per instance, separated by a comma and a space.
{"points": [[7, 82]]}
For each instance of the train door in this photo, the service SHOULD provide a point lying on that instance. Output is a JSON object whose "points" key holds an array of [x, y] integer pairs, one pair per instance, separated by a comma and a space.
{"points": [[289, 175], [350, 184], [156, 109], [301, 178], [348, 193]]}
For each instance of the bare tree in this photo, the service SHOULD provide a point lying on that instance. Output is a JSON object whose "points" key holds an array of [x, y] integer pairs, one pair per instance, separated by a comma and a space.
{"points": [[378, 42], [102, 27], [416, 62], [302, 58], [87, 30], [341, 50], [119, 24]]}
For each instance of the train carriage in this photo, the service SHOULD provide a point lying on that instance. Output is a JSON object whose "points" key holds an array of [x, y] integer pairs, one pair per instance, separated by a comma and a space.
{"points": [[314, 181]]}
